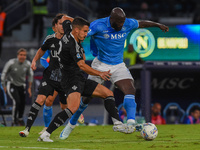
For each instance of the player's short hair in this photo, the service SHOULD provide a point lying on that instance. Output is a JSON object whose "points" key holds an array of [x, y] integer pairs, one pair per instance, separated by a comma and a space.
{"points": [[56, 18], [194, 108], [78, 21], [21, 50]]}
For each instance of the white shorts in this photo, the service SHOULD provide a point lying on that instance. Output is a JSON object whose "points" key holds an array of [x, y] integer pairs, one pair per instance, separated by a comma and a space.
{"points": [[119, 71]]}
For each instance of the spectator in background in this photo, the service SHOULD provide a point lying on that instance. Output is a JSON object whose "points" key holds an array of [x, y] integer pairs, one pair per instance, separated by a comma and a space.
{"points": [[144, 12], [194, 117], [131, 57], [156, 118], [196, 17], [2, 23], [40, 10], [15, 71]]}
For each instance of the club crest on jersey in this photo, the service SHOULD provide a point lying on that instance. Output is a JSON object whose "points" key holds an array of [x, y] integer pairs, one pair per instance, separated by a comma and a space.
{"points": [[78, 55], [106, 36]]}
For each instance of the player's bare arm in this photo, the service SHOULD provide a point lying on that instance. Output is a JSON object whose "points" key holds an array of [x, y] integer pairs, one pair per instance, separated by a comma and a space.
{"points": [[38, 55], [83, 66], [29, 89], [66, 18], [146, 23], [84, 58]]}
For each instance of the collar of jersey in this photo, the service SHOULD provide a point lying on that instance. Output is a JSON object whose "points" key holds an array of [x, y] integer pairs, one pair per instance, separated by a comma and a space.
{"points": [[108, 22]]}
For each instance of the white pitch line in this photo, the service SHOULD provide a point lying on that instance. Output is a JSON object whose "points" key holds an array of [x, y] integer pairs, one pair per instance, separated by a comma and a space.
{"points": [[40, 148], [129, 141]]}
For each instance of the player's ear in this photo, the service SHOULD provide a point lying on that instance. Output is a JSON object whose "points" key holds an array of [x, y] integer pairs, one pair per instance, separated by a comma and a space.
{"points": [[76, 29]]}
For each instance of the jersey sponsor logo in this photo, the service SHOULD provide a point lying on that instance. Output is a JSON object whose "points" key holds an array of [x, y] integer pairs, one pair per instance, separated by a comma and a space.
{"points": [[15, 69], [143, 42], [74, 87], [105, 31], [54, 53], [52, 46], [44, 83], [118, 36]]}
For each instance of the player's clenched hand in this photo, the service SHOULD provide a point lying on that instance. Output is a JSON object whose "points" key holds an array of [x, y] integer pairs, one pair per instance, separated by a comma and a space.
{"points": [[33, 65], [105, 75], [164, 28]]}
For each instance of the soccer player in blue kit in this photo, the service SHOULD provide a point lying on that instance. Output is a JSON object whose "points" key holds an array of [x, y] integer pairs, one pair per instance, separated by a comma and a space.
{"points": [[109, 35]]}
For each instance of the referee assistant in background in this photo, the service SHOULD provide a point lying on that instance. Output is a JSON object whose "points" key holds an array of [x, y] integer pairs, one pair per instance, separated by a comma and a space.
{"points": [[13, 80]]}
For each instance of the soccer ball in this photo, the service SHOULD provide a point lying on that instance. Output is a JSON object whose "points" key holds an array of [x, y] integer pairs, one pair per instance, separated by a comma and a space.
{"points": [[149, 131]]}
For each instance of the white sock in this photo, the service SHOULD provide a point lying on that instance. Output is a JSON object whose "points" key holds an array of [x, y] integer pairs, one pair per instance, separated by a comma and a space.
{"points": [[72, 126], [45, 134], [130, 121]]}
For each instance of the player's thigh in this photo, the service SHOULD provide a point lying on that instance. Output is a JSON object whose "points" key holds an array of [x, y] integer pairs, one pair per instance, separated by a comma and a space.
{"points": [[89, 87], [50, 99], [98, 65], [126, 86], [96, 79], [120, 72], [73, 101], [102, 91], [40, 99]]}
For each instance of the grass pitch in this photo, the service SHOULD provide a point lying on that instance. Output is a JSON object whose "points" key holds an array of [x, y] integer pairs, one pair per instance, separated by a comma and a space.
{"points": [[170, 137]]}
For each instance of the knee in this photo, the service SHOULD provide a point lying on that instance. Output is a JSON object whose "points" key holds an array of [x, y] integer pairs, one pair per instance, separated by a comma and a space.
{"points": [[49, 102], [86, 100], [131, 90], [73, 109], [40, 99], [108, 93]]}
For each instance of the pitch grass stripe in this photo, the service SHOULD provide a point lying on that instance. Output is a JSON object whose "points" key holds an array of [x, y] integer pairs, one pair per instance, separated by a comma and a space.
{"points": [[41, 148]]}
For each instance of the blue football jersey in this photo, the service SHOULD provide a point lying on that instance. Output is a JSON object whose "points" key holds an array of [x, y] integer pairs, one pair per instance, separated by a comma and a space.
{"points": [[110, 43], [43, 59]]}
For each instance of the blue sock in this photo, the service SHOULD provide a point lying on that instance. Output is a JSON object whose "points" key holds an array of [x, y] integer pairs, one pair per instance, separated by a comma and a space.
{"points": [[47, 115], [130, 106], [77, 114]]}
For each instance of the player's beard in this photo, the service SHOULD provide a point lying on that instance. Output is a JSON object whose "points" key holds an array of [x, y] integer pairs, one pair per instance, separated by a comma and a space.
{"points": [[114, 26]]}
